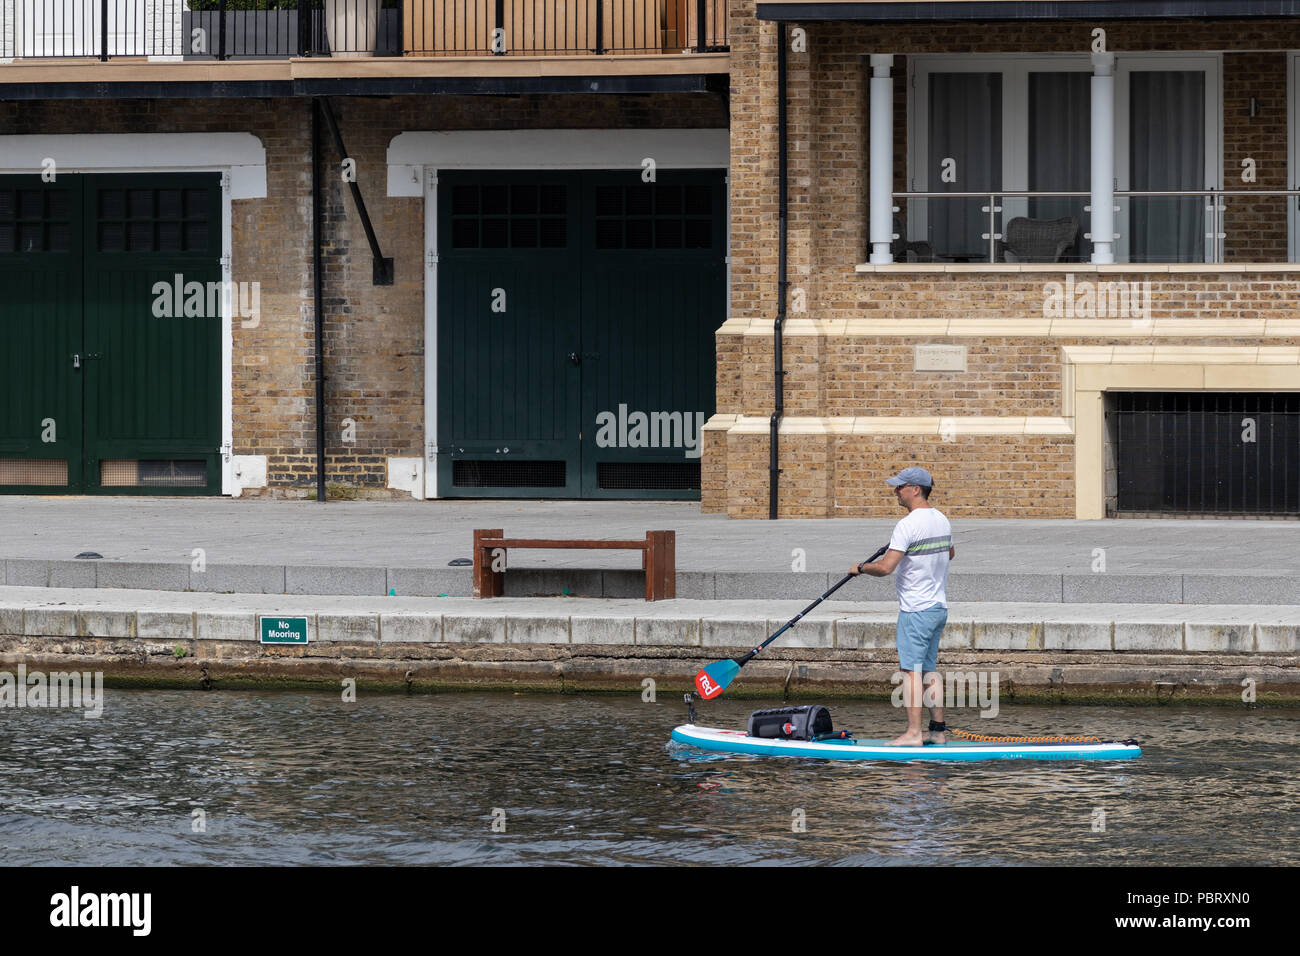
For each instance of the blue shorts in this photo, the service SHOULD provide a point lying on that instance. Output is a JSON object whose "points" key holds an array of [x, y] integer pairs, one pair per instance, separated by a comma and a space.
{"points": [[918, 638]]}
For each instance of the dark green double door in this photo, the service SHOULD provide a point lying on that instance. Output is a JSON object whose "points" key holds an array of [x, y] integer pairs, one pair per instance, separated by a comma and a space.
{"points": [[110, 318], [576, 315]]}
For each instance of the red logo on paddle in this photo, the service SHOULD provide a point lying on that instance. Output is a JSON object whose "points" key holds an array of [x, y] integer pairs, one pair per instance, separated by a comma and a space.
{"points": [[708, 690]]}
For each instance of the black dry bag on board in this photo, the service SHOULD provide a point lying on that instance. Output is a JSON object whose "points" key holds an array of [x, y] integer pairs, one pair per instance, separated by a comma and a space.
{"points": [[792, 723]]}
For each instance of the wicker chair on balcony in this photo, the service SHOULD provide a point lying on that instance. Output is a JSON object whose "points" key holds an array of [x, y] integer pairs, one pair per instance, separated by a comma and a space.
{"points": [[900, 247], [1038, 240]]}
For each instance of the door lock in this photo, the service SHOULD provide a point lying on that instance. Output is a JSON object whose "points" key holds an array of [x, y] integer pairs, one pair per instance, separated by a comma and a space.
{"points": [[76, 361]]}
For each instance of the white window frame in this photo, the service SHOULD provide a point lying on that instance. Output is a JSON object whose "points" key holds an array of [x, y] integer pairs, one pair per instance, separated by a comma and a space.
{"points": [[1015, 69], [1125, 66]]}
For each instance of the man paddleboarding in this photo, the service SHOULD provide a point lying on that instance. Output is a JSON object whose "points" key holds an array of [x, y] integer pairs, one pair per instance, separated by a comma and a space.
{"points": [[920, 549]]}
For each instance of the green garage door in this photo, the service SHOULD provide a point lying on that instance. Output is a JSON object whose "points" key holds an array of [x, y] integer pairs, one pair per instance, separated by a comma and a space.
{"points": [[576, 320], [111, 315]]}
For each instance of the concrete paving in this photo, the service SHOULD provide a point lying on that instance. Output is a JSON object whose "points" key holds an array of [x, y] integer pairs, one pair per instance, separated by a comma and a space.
{"points": [[406, 547], [181, 616]]}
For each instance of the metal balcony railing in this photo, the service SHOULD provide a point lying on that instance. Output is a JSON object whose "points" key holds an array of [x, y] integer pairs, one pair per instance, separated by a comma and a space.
{"points": [[1151, 226], [277, 29]]}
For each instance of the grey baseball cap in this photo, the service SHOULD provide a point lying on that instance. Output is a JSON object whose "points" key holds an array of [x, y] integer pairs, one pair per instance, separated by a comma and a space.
{"points": [[911, 476]]}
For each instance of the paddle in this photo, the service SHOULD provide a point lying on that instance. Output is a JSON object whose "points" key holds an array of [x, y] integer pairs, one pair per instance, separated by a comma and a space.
{"points": [[713, 680]]}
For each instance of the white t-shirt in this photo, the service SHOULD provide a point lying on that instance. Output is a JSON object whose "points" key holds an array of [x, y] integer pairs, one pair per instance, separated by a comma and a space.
{"points": [[924, 537]]}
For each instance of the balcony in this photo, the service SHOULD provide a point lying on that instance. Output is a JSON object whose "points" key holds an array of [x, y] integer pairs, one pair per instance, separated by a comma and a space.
{"points": [[1179, 228], [104, 49], [219, 30], [1161, 161]]}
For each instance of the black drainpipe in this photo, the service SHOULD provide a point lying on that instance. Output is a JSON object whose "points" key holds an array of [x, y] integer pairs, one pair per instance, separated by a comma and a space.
{"points": [[319, 298], [778, 371]]}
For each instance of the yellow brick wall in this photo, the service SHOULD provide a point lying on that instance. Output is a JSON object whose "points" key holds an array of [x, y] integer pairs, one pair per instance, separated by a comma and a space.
{"points": [[836, 374], [844, 476]]}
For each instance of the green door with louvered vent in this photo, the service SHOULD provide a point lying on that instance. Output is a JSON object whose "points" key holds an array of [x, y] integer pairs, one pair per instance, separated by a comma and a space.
{"points": [[576, 314], [653, 295], [509, 376], [113, 298], [40, 331], [152, 377]]}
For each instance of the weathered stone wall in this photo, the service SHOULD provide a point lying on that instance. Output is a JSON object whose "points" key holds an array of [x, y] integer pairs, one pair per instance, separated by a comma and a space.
{"points": [[1024, 676]]}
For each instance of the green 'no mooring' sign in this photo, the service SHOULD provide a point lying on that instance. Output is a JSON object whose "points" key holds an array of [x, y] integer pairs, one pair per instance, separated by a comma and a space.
{"points": [[283, 630]]}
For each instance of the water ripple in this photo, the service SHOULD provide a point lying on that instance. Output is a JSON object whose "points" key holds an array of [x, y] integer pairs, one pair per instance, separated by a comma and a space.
{"points": [[293, 778]]}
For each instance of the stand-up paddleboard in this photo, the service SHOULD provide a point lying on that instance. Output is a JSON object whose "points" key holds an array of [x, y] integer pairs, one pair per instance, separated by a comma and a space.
{"points": [[739, 742]]}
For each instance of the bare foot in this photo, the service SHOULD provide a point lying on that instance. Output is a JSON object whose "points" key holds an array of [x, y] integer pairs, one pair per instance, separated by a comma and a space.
{"points": [[936, 737], [907, 740]]}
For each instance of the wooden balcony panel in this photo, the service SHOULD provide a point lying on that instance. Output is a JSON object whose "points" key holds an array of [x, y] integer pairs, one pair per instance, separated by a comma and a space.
{"points": [[630, 27]]}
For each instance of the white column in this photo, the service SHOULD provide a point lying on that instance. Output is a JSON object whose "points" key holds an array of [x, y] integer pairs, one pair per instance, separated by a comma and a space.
{"points": [[1103, 158], [881, 168]]}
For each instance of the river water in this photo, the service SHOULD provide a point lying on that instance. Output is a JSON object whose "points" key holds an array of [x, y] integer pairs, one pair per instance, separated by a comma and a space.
{"points": [[304, 778]]}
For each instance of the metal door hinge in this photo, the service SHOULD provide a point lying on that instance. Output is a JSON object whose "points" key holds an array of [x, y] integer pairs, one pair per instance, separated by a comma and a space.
{"points": [[226, 451], [431, 177], [225, 180], [430, 258], [225, 263]]}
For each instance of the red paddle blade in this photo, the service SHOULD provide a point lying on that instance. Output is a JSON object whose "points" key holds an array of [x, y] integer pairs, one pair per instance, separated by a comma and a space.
{"points": [[713, 680]]}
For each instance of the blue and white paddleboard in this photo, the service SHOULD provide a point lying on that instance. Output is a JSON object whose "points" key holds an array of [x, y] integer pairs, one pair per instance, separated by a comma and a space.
{"points": [[739, 742]]}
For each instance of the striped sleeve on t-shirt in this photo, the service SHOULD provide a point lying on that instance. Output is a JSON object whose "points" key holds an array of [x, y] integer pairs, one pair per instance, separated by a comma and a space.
{"points": [[927, 545]]}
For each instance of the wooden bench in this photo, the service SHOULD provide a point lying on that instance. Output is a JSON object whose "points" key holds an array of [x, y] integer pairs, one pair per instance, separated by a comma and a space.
{"points": [[658, 559]]}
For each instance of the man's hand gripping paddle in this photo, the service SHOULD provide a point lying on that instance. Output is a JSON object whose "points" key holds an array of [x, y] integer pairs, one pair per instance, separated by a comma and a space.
{"points": [[713, 680]]}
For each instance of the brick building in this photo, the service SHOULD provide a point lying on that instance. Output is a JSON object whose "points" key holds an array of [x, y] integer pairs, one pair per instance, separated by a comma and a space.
{"points": [[488, 191], [589, 219], [1037, 369]]}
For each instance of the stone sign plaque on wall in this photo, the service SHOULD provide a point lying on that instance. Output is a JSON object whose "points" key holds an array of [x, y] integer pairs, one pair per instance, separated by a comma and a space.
{"points": [[939, 358]]}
